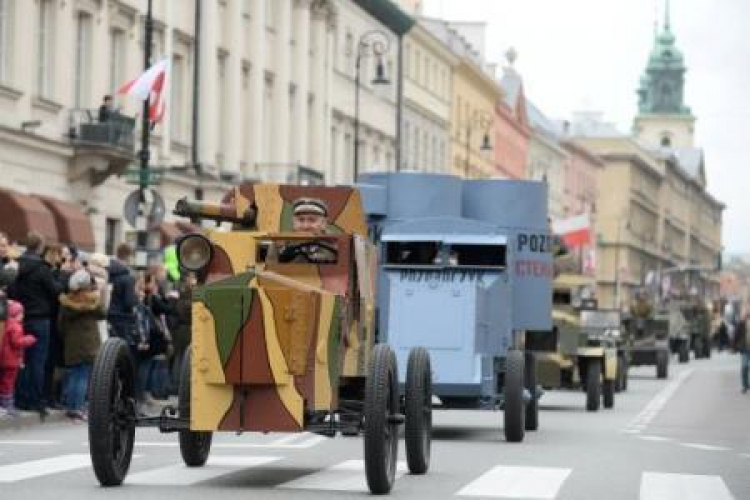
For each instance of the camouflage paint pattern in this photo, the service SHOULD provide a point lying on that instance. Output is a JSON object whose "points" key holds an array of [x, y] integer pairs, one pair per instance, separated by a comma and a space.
{"points": [[272, 342]]}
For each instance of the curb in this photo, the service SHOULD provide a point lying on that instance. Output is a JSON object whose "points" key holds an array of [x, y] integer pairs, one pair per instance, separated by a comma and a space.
{"points": [[26, 419]]}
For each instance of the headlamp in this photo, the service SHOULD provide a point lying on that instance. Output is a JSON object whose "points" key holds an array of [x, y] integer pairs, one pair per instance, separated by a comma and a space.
{"points": [[194, 252]]}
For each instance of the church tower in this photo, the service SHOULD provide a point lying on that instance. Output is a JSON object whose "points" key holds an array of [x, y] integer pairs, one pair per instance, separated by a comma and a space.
{"points": [[663, 119]]}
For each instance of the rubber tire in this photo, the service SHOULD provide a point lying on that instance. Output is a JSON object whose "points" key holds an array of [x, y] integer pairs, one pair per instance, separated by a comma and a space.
{"points": [[532, 407], [683, 354], [707, 350], [593, 385], [194, 446], [662, 364], [608, 393], [698, 348], [418, 410], [381, 436], [112, 387], [625, 373], [514, 419]]}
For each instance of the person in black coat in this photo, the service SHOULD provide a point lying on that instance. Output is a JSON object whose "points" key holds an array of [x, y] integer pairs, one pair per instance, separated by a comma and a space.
{"points": [[121, 313], [37, 289]]}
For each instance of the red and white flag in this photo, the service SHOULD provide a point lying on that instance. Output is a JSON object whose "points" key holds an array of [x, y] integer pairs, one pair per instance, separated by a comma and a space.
{"points": [[575, 231], [150, 85]]}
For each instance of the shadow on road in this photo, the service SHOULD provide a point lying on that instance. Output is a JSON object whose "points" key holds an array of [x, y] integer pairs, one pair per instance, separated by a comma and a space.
{"points": [[467, 433]]}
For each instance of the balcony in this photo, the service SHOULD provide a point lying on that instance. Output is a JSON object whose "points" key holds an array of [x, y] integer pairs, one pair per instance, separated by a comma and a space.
{"points": [[111, 143]]}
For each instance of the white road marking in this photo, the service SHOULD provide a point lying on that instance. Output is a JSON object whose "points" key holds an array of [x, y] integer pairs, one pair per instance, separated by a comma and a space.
{"points": [[657, 404], [181, 475], [517, 482], [44, 467], [662, 486], [283, 443], [28, 442], [705, 447], [745, 455], [346, 476], [655, 438]]}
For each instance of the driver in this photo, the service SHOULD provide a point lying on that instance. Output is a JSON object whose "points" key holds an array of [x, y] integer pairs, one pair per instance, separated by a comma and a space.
{"points": [[310, 215]]}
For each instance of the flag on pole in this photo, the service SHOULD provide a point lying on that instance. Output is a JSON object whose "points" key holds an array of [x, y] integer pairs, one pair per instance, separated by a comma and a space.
{"points": [[150, 85], [575, 231]]}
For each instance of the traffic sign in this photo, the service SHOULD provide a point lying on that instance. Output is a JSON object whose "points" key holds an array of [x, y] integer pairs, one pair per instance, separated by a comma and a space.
{"points": [[152, 208]]}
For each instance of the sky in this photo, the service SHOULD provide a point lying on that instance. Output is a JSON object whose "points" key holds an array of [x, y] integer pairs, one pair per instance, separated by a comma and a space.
{"points": [[584, 55]]}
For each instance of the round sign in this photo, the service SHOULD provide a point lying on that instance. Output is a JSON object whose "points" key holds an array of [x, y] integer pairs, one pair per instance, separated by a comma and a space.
{"points": [[152, 208]]}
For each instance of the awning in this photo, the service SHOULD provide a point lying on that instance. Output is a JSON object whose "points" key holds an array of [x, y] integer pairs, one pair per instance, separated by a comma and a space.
{"points": [[73, 226], [21, 213]]}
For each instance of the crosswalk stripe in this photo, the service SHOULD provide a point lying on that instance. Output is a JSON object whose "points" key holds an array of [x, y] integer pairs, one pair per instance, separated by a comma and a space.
{"points": [[43, 467], [663, 486], [181, 475], [27, 442], [517, 482], [346, 476], [308, 441], [704, 447]]}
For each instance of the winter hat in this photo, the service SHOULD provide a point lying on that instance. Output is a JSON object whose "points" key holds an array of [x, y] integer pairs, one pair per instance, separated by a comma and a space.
{"points": [[98, 263], [15, 308], [79, 280]]}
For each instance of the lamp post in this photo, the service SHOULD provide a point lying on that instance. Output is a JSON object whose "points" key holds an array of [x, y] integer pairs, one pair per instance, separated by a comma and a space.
{"points": [[146, 125], [480, 121], [377, 43]]}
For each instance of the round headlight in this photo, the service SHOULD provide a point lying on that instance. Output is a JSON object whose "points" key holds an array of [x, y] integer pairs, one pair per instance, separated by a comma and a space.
{"points": [[194, 252]]}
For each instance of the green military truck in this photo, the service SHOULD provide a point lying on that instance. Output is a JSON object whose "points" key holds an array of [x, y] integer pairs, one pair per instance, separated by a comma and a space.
{"points": [[647, 336], [581, 352]]}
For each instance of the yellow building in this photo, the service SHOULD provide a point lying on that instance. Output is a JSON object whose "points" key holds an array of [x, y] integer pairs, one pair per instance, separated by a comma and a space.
{"points": [[475, 96]]}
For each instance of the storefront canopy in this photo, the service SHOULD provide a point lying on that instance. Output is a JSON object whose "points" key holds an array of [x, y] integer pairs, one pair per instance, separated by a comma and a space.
{"points": [[21, 213], [73, 226]]}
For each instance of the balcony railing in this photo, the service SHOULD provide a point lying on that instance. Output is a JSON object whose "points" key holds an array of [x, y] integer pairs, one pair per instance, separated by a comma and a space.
{"points": [[116, 132]]}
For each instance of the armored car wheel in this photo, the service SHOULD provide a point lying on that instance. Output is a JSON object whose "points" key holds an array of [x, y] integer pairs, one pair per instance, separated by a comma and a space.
{"points": [[593, 384], [683, 353], [662, 364], [622, 374], [418, 410], [194, 446], [381, 420], [608, 393], [112, 412], [514, 411], [532, 407]]}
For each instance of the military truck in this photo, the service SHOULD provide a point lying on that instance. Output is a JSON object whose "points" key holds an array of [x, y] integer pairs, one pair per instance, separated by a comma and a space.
{"points": [[698, 318], [679, 331], [647, 336], [465, 269], [581, 350], [277, 345]]}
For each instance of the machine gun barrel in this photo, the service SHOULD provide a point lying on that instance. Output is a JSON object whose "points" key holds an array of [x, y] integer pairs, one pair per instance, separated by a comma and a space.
{"points": [[219, 212]]}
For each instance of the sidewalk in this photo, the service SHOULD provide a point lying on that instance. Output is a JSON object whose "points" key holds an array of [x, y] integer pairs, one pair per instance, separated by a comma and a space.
{"points": [[26, 419]]}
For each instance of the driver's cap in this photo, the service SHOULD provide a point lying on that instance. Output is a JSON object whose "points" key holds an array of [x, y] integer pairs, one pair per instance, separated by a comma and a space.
{"points": [[310, 206]]}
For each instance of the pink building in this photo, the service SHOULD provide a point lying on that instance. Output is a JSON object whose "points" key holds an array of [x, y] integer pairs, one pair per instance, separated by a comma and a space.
{"points": [[512, 132]]}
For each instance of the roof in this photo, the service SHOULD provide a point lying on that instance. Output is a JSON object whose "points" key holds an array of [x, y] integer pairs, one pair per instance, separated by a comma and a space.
{"points": [[691, 160], [539, 121]]}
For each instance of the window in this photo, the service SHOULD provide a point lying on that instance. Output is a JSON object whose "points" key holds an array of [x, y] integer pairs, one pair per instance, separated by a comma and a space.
{"points": [[349, 54], [117, 59], [45, 45], [419, 253], [5, 39], [177, 100], [111, 235]]}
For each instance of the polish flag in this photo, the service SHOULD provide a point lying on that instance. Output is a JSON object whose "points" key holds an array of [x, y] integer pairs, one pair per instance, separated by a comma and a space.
{"points": [[575, 231], [150, 85]]}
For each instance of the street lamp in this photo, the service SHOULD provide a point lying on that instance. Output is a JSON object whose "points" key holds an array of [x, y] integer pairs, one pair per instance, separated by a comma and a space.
{"points": [[377, 43], [479, 121]]}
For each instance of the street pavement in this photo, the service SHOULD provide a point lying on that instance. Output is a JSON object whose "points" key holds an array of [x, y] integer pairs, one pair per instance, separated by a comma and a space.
{"points": [[685, 438]]}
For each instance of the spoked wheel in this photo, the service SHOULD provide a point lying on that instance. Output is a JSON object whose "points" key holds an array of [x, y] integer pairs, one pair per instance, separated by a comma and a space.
{"points": [[112, 412], [194, 446], [532, 408], [662, 364], [381, 420], [514, 411], [608, 392], [418, 409], [593, 384]]}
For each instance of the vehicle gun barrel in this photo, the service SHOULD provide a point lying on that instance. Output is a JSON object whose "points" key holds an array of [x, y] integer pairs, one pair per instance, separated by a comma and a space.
{"points": [[219, 212]]}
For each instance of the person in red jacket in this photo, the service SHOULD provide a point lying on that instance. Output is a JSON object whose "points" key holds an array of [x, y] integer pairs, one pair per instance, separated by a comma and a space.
{"points": [[11, 353]]}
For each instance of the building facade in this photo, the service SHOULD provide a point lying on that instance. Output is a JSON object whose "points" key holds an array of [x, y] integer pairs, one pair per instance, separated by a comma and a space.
{"points": [[547, 160], [512, 128], [276, 94]]}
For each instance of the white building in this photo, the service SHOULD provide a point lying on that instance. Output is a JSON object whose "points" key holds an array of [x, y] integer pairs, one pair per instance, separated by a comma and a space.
{"points": [[276, 93]]}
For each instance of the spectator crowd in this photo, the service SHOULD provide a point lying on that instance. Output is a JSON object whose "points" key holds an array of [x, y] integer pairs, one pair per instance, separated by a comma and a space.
{"points": [[59, 304]]}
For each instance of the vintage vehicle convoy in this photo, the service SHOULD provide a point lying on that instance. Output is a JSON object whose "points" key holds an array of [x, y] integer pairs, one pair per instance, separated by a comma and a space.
{"points": [[465, 269], [647, 336], [277, 345], [581, 350]]}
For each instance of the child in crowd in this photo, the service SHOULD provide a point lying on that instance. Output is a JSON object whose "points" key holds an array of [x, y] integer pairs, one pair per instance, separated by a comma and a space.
{"points": [[11, 354], [80, 310]]}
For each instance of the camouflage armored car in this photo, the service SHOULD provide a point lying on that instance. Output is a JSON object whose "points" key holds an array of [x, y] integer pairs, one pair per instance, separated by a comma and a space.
{"points": [[280, 344]]}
